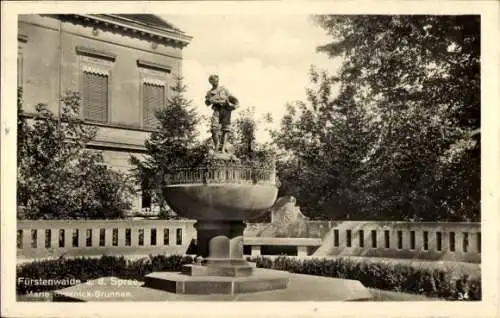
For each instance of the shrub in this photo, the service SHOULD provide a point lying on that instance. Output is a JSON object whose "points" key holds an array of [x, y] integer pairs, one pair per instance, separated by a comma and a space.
{"points": [[453, 281], [83, 269], [58, 176]]}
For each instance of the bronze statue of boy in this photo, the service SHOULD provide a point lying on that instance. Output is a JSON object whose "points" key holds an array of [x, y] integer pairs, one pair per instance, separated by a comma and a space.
{"points": [[222, 103]]}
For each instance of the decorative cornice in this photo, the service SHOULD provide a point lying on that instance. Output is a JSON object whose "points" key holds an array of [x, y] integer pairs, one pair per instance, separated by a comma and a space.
{"points": [[117, 24], [95, 53], [155, 66]]}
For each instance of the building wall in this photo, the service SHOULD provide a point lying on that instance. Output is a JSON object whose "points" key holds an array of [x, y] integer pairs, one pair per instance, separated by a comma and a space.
{"points": [[50, 50], [52, 63]]}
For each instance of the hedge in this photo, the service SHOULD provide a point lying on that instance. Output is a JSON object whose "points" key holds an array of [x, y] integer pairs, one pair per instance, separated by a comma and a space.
{"points": [[446, 280], [66, 271], [449, 280]]}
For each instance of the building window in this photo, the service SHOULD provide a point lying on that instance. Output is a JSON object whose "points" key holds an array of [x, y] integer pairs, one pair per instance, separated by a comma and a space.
{"points": [[153, 98], [95, 96]]}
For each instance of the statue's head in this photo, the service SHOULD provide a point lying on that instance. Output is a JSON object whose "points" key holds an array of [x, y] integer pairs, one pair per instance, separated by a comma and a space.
{"points": [[213, 79]]}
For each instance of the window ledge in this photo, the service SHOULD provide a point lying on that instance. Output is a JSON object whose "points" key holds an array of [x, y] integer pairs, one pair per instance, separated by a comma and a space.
{"points": [[120, 126], [95, 53], [155, 66]]}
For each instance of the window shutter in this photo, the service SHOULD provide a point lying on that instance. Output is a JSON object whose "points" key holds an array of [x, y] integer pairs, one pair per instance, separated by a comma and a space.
{"points": [[153, 99], [95, 97]]}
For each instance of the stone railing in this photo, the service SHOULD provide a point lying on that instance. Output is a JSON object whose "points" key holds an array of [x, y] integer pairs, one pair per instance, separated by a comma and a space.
{"points": [[234, 174], [452, 241], [43, 238], [425, 240]]}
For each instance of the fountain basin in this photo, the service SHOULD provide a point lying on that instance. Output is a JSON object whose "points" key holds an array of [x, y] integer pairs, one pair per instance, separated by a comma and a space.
{"points": [[222, 201]]}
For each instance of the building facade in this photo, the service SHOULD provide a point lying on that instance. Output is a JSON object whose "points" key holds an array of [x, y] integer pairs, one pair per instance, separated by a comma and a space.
{"points": [[122, 65]]}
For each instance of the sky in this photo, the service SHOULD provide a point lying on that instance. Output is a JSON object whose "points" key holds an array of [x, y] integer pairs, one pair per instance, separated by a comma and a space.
{"points": [[261, 59]]}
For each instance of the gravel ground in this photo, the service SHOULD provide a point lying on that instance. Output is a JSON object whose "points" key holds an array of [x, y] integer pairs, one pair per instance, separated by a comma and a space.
{"points": [[378, 295]]}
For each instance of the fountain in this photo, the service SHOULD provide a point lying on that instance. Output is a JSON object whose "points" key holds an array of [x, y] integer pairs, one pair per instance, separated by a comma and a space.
{"points": [[220, 194]]}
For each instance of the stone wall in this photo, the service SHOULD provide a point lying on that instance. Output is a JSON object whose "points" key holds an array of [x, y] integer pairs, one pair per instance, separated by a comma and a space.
{"points": [[429, 240], [41, 239]]}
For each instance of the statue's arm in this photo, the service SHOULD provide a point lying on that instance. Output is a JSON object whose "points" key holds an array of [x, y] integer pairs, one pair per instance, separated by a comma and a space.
{"points": [[208, 102], [232, 100]]}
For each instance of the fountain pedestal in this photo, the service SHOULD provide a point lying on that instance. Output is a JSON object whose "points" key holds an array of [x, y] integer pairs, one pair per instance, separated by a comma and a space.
{"points": [[220, 196], [232, 230]]}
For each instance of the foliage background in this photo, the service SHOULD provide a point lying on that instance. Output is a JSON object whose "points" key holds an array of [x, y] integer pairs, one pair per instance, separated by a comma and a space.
{"points": [[396, 134]]}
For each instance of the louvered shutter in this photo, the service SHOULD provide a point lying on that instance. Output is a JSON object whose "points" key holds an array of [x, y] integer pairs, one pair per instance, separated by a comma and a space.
{"points": [[95, 97], [153, 99]]}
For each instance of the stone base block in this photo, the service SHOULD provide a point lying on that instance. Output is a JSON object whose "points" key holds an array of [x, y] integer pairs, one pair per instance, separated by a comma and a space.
{"points": [[226, 261], [228, 270], [197, 285]]}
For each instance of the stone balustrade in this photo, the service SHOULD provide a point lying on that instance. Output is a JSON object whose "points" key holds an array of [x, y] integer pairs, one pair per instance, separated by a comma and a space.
{"points": [[42, 238], [452, 241], [419, 240]]}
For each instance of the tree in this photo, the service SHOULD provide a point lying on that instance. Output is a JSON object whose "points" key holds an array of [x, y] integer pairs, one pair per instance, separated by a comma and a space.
{"points": [[324, 143], [243, 139], [173, 145], [58, 177], [420, 74], [400, 139]]}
